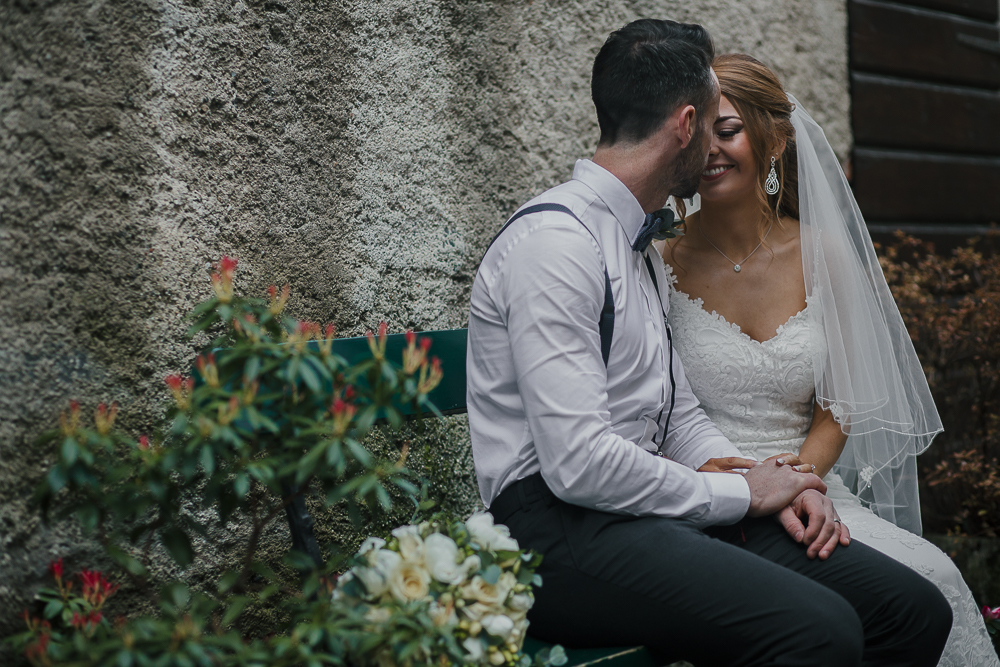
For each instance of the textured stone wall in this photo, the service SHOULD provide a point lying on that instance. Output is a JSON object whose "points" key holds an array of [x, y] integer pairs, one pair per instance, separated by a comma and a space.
{"points": [[361, 150]]}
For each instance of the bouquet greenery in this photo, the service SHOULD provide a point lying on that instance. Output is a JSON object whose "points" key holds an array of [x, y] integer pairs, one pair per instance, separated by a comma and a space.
{"points": [[467, 582]]}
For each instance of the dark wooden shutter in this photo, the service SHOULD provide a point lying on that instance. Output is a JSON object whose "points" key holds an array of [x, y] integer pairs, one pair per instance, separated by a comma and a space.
{"points": [[925, 88]]}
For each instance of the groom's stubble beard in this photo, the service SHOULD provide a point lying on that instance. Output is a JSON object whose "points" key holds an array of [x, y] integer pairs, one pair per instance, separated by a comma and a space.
{"points": [[689, 166]]}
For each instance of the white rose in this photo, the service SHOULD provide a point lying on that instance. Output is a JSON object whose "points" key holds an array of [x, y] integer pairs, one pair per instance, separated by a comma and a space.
{"points": [[376, 578], [338, 592], [470, 565], [474, 647], [410, 581], [498, 625], [411, 547], [520, 602], [440, 554], [488, 536], [371, 544]]}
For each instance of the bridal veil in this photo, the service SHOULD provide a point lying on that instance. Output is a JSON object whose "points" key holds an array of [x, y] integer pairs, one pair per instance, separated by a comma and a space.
{"points": [[870, 379]]}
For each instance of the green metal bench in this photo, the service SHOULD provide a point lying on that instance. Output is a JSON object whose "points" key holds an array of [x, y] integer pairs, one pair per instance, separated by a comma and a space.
{"points": [[449, 397]]}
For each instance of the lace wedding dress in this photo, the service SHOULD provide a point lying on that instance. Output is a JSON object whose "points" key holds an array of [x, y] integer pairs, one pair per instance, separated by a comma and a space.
{"points": [[761, 397]]}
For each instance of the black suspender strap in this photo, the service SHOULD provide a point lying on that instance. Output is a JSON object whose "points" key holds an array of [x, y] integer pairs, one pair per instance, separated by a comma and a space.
{"points": [[670, 363], [606, 322]]}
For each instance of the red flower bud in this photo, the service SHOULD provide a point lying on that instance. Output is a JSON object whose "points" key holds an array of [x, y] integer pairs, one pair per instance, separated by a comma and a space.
{"points": [[410, 337], [56, 569], [143, 442]]}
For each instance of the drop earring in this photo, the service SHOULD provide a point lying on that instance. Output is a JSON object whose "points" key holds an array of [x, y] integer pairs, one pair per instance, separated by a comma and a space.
{"points": [[771, 184]]}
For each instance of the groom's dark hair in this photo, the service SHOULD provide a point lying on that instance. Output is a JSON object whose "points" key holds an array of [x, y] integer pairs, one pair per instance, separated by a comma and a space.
{"points": [[645, 71]]}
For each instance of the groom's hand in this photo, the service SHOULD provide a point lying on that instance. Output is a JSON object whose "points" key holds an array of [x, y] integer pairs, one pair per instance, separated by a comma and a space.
{"points": [[728, 464], [811, 519], [773, 487]]}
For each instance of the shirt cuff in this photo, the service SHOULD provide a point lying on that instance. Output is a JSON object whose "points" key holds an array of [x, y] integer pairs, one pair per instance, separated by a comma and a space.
{"points": [[730, 498]]}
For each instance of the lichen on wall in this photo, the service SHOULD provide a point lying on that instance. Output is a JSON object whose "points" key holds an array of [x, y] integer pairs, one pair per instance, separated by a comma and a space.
{"points": [[364, 152]]}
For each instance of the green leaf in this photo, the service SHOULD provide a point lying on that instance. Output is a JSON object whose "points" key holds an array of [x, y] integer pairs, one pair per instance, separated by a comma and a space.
{"points": [[383, 497], [178, 545], [176, 594], [492, 574], [88, 516], [53, 608], [236, 606], [56, 478], [228, 580], [126, 561], [251, 369], [70, 450], [241, 485], [310, 377], [208, 459]]}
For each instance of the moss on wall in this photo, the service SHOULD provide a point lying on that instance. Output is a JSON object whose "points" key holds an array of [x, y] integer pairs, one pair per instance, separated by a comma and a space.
{"points": [[362, 151]]}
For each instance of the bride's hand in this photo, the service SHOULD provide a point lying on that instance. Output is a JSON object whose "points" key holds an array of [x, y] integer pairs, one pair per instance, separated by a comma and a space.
{"points": [[792, 460], [822, 530], [728, 464]]}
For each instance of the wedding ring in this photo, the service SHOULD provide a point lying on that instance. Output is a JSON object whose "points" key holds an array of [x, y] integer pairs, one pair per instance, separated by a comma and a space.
{"points": [[836, 520]]}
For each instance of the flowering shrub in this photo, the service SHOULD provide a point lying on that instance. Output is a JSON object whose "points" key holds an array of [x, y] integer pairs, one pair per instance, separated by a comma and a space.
{"points": [[469, 582], [72, 614], [992, 619], [270, 412], [951, 307]]}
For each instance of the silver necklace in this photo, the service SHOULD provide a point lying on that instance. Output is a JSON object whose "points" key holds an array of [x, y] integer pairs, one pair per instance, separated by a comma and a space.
{"points": [[737, 266]]}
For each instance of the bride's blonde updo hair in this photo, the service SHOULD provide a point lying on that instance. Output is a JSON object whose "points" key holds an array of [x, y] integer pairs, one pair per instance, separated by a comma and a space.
{"points": [[760, 99]]}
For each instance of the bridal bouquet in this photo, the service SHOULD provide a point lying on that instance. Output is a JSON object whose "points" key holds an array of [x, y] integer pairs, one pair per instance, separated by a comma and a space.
{"points": [[463, 587]]}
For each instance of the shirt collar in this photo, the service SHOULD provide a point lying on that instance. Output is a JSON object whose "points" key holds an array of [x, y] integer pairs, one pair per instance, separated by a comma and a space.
{"points": [[619, 199]]}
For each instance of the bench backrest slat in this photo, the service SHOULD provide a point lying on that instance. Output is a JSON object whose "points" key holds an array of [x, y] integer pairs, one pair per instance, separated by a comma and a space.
{"points": [[447, 344]]}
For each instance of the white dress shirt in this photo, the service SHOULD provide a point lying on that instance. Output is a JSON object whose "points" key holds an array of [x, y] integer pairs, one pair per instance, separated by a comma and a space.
{"points": [[539, 395]]}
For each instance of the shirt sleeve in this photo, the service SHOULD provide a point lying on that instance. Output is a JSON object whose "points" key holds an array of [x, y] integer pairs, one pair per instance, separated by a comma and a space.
{"points": [[550, 292]]}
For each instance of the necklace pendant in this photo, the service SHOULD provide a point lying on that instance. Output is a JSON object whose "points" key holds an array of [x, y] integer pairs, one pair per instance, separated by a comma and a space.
{"points": [[737, 268]]}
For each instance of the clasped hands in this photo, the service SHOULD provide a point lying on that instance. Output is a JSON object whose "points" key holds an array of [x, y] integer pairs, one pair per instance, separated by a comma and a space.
{"points": [[785, 487]]}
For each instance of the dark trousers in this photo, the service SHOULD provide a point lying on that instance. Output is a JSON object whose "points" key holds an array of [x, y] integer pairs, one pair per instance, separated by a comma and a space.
{"points": [[735, 595]]}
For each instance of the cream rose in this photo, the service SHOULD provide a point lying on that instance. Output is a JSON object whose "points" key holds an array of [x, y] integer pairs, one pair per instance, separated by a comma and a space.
{"points": [[489, 536], [477, 610], [480, 590], [410, 581], [377, 615], [443, 615], [411, 547], [505, 585]]}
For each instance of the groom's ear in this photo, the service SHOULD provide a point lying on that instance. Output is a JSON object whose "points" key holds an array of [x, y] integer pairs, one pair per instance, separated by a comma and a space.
{"points": [[686, 124]]}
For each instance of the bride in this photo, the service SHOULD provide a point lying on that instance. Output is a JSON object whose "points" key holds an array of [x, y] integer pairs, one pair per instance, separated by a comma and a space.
{"points": [[789, 335]]}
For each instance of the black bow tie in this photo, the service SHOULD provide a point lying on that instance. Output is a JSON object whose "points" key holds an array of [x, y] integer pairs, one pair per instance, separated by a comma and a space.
{"points": [[658, 225]]}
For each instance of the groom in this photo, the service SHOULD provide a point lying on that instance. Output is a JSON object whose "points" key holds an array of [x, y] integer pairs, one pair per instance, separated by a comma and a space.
{"points": [[590, 446]]}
